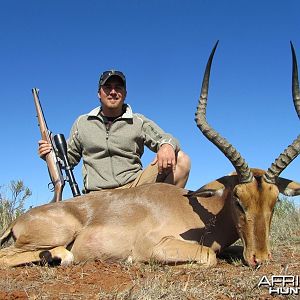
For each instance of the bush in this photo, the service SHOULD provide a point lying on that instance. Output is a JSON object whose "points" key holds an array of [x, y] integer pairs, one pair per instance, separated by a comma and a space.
{"points": [[13, 206], [285, 226]]}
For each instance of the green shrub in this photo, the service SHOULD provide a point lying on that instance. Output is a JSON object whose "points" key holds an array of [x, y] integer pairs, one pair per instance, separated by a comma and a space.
{"points": [[12, 205]]}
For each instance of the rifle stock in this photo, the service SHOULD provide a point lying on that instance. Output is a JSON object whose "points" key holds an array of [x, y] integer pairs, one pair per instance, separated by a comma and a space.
{"points": [[51, 159]]}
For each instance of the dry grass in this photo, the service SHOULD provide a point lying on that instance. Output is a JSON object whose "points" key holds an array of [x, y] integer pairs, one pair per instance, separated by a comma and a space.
{"points": [[222, 282]]}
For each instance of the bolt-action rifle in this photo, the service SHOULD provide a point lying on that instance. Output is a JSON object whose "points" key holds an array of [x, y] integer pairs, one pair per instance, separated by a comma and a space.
{"points": [[56, 159]]}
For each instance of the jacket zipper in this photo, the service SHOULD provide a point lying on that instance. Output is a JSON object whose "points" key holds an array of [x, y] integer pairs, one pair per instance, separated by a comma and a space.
{"points": [[107, 126]]}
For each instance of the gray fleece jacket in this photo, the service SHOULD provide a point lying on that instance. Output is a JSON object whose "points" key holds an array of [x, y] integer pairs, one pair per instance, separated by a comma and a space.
{"points": [[112, 157]]}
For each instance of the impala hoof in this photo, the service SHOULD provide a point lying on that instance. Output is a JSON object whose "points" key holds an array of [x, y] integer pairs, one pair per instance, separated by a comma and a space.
{"points": [[58, 254], [212, 258], [208, 259]]}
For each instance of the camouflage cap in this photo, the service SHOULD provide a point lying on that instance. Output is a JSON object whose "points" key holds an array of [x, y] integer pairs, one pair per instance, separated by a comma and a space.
{"points": [[107, 74]]}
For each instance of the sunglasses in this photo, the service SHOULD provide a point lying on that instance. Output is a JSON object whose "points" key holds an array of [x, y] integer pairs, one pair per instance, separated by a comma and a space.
{"points": [[106, 74]]}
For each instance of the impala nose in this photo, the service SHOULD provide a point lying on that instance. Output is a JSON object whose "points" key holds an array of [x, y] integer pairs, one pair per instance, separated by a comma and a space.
{"points": [[257, 261]]}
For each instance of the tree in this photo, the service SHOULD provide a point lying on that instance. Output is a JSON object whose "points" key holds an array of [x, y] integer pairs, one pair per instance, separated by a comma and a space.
{"points": [[13, 206]]}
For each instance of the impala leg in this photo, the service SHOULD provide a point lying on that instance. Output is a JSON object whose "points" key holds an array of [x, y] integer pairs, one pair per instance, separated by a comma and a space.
{"points": [[171, 250], [12, 256]]}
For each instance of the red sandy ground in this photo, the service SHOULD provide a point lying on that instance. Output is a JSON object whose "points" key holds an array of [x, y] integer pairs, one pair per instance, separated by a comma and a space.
{"points": [[102, 280]]}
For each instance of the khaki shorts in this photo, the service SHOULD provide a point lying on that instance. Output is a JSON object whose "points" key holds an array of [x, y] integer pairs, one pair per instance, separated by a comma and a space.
{"points": [[148, 175]]}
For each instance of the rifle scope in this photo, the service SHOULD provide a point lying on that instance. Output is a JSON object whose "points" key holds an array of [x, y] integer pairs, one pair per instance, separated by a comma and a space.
{"points": [[61, 146]]}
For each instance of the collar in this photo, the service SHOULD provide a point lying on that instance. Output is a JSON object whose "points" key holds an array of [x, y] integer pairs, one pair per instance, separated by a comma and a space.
{"points": [[126, 115]]}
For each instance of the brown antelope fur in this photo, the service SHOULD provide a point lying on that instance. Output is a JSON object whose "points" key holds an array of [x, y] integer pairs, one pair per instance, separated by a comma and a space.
{"points": [[161, 221]]}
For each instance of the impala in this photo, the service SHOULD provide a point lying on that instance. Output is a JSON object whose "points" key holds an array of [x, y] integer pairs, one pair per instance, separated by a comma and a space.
{"points": [[161, 221]]}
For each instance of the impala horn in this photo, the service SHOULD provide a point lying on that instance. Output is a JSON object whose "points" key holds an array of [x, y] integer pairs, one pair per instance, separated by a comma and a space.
{"points": [[295, 82], [244, 173], [292, 151]]}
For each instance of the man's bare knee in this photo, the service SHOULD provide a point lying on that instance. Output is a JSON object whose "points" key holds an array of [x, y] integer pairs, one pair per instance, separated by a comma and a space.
{"points": [[183, 162], [182, 171]]}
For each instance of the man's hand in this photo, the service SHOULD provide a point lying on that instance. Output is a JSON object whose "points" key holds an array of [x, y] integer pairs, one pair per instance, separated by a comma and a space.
{"points": [[44, 149], [165, 159]]}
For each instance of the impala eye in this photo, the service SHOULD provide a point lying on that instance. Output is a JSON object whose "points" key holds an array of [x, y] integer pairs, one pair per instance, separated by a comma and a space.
{"points": [[239, 205]]}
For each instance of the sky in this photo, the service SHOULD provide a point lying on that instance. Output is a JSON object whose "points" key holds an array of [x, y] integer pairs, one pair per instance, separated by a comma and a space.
{"points": [[61, 47]]}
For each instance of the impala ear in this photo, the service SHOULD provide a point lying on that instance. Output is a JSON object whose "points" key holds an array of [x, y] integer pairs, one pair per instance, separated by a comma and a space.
{"points": [[215, 188], [206, 193], [288, 187]]}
